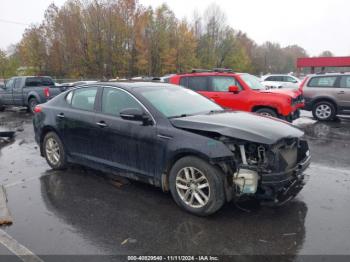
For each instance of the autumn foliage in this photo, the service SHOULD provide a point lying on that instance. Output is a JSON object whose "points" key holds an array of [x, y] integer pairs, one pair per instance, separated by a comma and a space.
{"points": [[122, 38]]}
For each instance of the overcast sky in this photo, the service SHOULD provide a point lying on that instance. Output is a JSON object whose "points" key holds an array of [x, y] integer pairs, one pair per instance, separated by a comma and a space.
{"points": [[316, 25]]}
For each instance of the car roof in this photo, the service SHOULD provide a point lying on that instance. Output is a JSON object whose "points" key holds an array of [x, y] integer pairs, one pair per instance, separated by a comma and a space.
{"points": [[278, 75], [132, 84], [329, 74]]}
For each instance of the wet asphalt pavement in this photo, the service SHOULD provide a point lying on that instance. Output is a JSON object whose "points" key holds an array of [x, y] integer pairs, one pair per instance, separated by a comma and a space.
{"points": [[82, 212]]}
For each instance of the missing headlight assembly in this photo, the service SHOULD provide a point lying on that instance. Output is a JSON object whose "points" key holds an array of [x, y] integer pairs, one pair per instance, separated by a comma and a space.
{"points": [[271, 173]]}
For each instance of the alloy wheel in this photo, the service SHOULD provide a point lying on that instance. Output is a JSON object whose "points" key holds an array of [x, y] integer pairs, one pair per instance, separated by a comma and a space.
{"points": [[52, 150], [193, 187], [323, 111]]}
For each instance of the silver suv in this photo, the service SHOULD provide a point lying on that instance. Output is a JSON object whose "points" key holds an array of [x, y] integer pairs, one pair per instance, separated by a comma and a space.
{"points": [[327, 95]]}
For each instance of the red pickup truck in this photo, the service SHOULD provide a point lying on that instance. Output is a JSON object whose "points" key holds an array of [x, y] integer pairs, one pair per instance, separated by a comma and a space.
{"points": [[241, 91]]}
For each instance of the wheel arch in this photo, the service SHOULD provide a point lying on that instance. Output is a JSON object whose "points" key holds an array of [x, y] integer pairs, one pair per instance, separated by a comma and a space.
{"points": [[326, 99], [30, 96], [45, 130], [216, 164], [257, 107], [173, 159]]}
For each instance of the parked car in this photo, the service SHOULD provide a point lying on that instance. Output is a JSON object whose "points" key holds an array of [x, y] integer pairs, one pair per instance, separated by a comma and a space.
{"points": [[176, 139], [244, 92], [327, 95], [28, 91], [280, 81]]}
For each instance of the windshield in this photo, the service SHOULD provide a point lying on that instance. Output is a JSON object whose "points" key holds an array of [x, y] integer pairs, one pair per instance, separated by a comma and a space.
{"points": [[253, 82], [175, 101]]}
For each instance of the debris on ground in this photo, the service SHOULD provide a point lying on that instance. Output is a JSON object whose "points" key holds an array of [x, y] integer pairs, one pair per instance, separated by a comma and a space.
{"points": [[5, 216], [262, 240], [289, 234], [23, 141], [129, 240], [118, 181]]}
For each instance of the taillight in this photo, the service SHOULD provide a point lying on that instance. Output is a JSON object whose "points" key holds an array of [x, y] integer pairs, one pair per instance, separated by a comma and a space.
{"points": [[46, 92], [37, 109]]}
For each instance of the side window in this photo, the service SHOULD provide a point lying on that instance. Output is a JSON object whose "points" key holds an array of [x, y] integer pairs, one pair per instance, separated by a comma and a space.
{"points": [[221, 83], [270, 78], [184, 81], [289, 79], [46, 81], [9, 84], [115, 100], [18, 83], [275, 78], [84, 98], [345, 82], [325, 81], [33, 81], [198, 83]]}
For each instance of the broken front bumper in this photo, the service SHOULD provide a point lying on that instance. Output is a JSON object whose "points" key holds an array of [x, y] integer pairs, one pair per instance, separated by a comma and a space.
{"points": [[279, 188]]}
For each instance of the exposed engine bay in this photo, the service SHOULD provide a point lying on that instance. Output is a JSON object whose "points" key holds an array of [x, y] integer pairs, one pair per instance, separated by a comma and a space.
{"points": [[268, 171]]}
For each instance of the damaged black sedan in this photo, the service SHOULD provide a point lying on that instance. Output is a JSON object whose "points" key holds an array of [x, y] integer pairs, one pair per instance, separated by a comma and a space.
{"points": [[176, 139]]}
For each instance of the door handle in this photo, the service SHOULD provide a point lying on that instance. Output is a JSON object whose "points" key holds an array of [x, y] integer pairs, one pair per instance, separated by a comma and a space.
{"points": [[101, 124], [341, 92], [60, 115]]}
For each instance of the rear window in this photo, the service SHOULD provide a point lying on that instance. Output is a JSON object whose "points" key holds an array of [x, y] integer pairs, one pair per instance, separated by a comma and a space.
{"points": [[198, 83], [39, 81], [324, 81], [275, 78], [84, 98], [345, 82]]}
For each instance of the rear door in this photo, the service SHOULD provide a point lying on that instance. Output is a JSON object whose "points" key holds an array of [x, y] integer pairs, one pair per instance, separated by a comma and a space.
{"points": [[322, 86], [343, 93], [79, 123]]}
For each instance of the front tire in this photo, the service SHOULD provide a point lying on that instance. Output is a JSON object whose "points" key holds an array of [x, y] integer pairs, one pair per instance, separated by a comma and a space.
{"points": [[54, 152], [266, 112], [197, 186], [324, 111]]}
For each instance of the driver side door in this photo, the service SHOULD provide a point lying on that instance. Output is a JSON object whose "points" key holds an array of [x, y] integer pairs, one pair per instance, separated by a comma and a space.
{"points": [[219, 85], [125, 145]]}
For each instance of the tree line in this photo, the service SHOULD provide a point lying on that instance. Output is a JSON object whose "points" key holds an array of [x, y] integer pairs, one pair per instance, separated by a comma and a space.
{"points": [[123, 38]]}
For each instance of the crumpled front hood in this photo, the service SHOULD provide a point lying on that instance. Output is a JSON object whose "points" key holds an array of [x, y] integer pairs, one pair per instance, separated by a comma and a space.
{"points": [[285, 91], [240, 125]]}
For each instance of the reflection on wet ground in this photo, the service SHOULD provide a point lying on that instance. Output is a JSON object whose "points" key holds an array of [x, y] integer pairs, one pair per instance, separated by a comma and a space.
{"points": [[80, 212]]}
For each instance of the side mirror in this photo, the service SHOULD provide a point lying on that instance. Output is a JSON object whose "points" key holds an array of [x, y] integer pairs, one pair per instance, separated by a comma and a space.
{"points": [[134, 114], [233, 89]]}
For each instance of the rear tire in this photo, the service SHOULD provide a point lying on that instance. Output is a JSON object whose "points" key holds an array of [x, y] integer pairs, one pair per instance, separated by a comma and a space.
{"points": [[54, 152], [324, 111], [266, 112], [2, 108], [197, 186], [32, 102]]}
